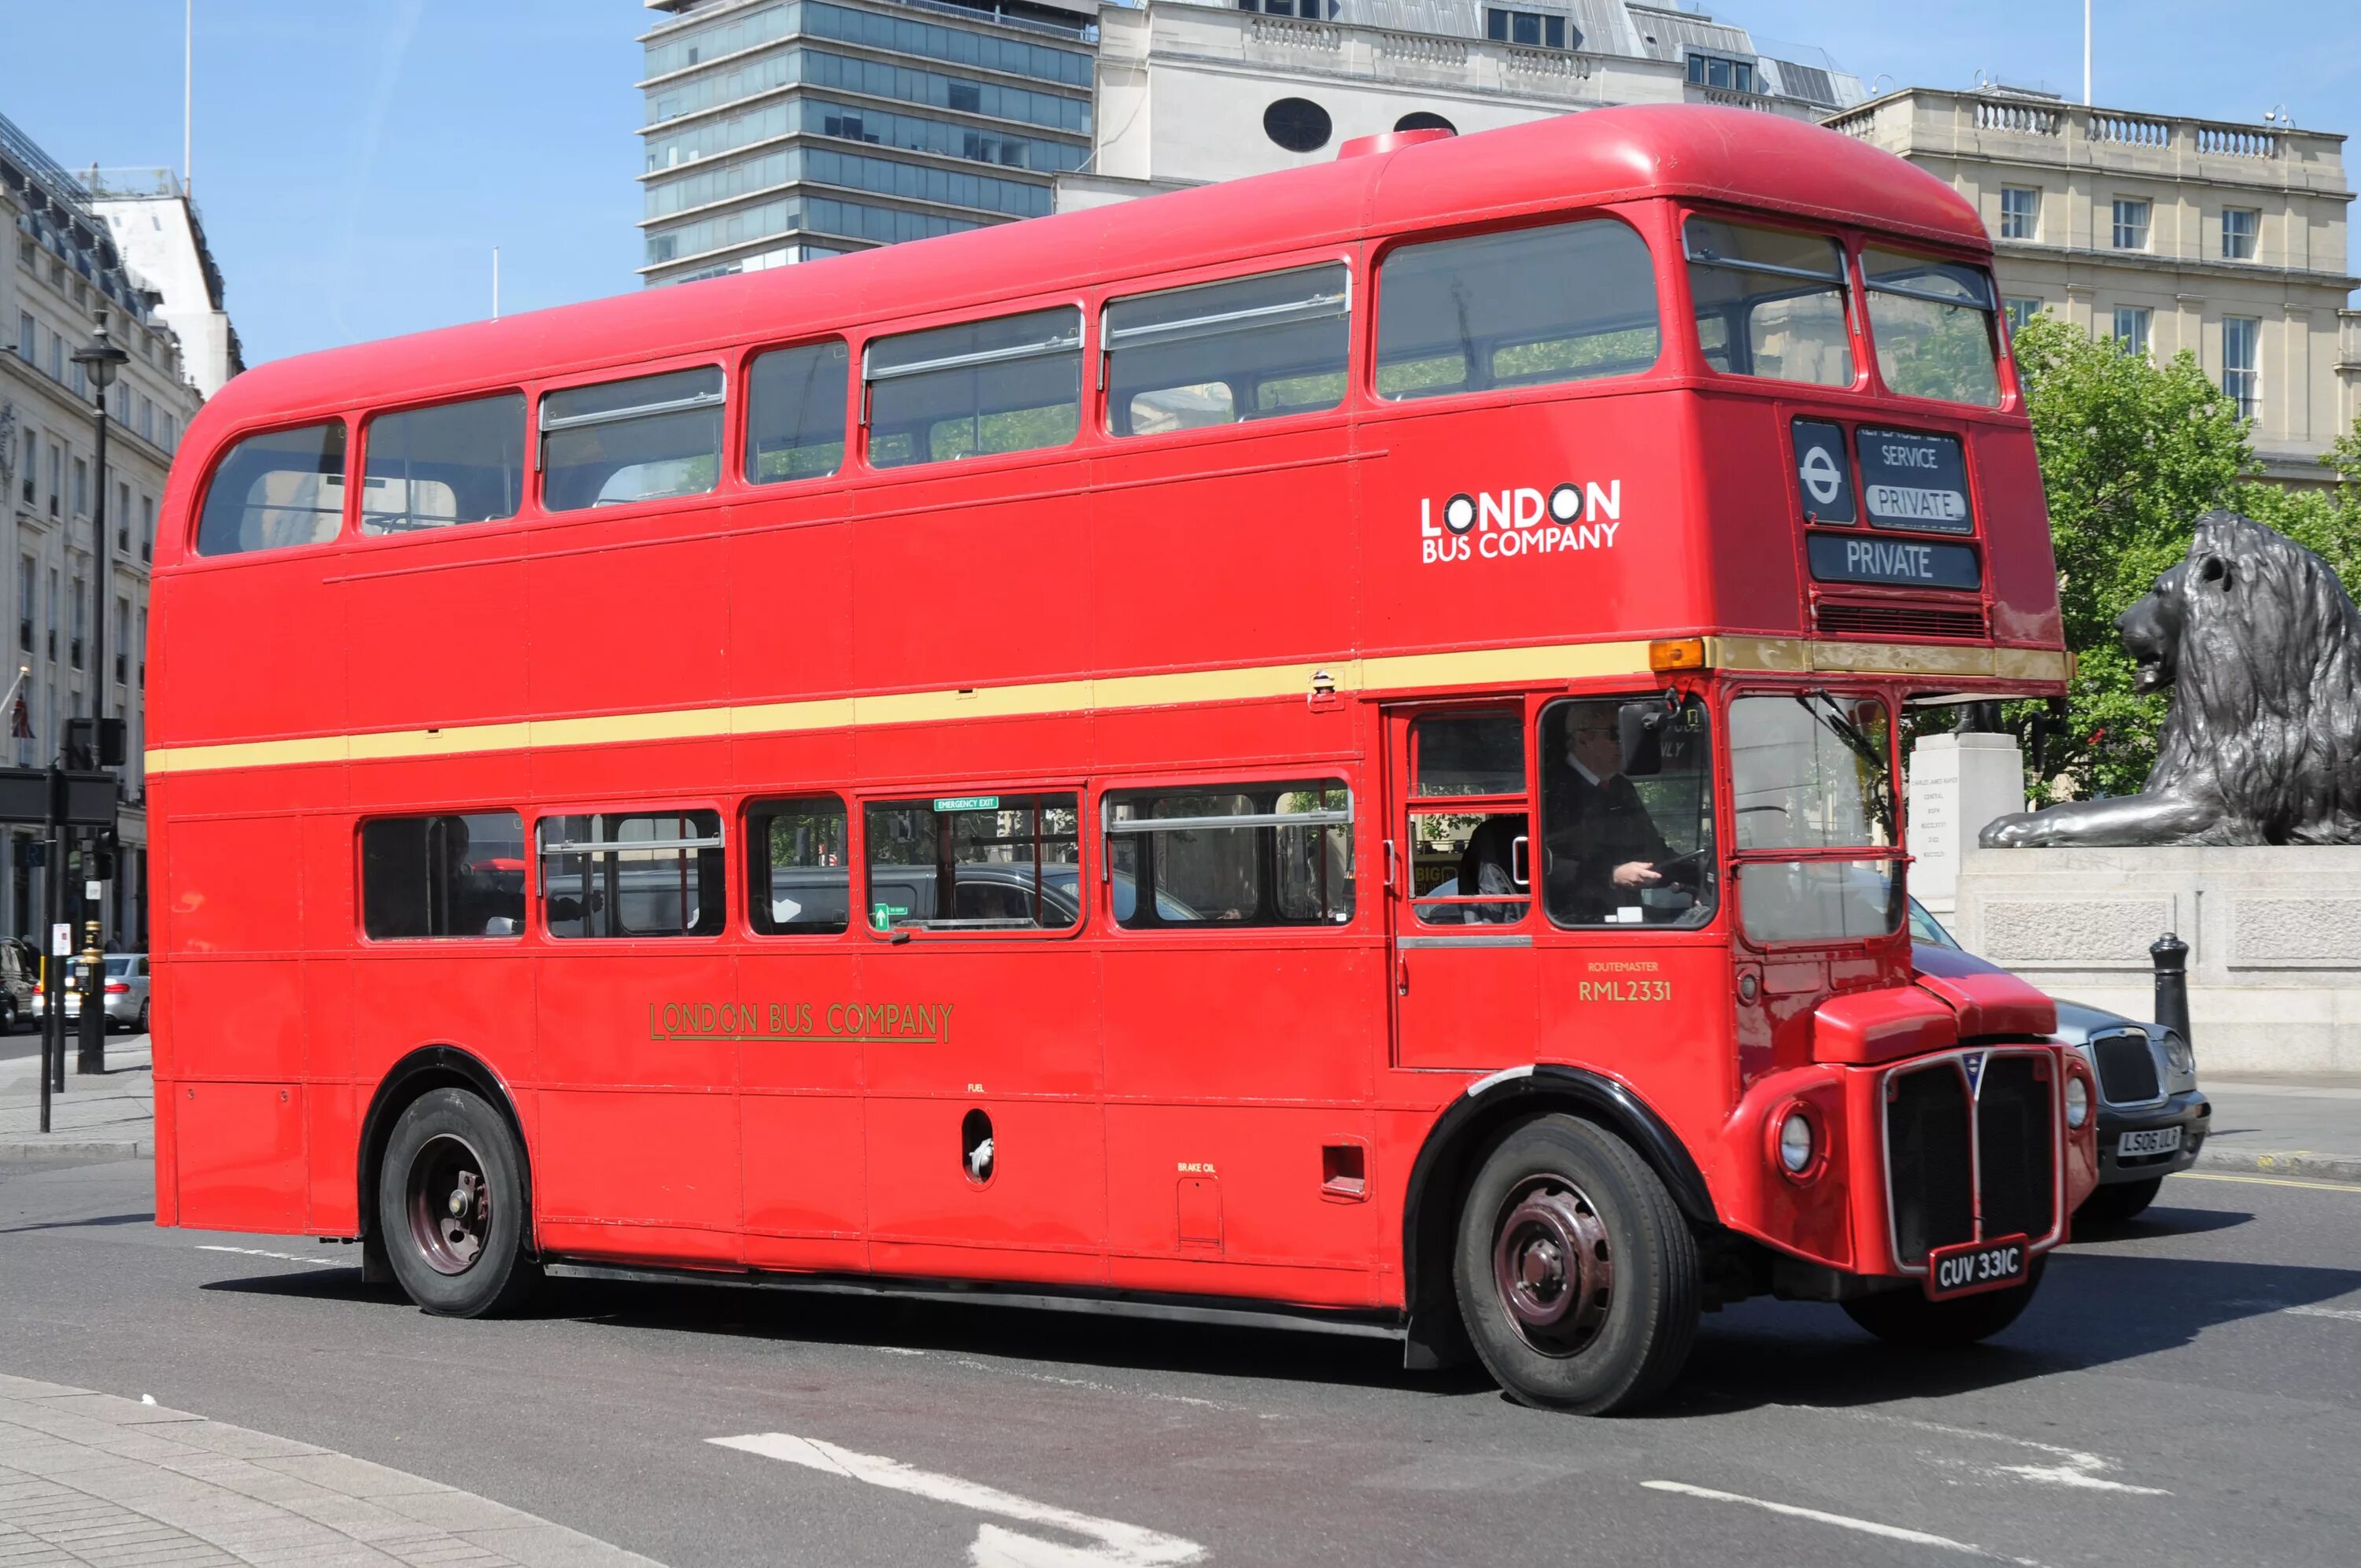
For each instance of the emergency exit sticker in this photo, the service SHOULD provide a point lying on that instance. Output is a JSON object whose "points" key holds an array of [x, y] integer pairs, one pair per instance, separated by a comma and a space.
{"points": [[1913, 480]]}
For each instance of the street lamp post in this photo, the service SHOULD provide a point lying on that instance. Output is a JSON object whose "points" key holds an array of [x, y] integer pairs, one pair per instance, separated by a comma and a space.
{"points": [[102, 358]]}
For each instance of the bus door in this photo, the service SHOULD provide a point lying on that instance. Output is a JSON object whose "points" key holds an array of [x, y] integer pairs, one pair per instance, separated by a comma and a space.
{"points": [[1461, 896]]}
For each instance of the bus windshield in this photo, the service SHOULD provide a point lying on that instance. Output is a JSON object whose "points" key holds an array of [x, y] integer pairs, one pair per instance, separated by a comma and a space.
{"points": [[1810, 770]]}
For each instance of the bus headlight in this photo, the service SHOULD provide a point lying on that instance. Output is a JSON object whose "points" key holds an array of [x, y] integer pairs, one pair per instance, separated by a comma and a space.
{"points": [[1796, 1142], [2078, 1100]]}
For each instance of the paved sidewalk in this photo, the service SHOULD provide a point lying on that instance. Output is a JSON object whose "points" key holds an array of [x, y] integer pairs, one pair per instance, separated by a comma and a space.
{"points": [[2304, 1124], [114, 1115], [93, 1481]]}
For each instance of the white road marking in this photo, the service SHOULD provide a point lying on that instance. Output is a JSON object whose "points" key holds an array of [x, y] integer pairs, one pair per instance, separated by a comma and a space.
{"points": [[1114, 1544], [2344, 1314], [1842, 1521], [2075, 1467], [281, 1256]]}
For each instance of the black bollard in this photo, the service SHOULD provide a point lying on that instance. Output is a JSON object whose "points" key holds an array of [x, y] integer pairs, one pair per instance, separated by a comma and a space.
{"points": [[2171, 956]]}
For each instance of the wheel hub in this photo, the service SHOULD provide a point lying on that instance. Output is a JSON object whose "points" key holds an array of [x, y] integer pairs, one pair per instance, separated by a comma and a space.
{"points": [[1553, 1266], [450, 1204]]}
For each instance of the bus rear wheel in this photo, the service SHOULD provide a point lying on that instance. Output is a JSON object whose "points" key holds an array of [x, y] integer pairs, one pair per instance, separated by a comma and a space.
{"points": [[1907, 1319], [450, 1208], [1576, 1274]]}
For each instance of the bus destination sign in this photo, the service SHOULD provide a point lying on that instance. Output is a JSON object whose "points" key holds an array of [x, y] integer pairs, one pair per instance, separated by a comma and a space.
{"points": [[1850, 559], [1912, 480]]}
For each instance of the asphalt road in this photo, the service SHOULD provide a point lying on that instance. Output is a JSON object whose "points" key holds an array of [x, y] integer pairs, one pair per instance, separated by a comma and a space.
{"points": [[2186, 1391]]}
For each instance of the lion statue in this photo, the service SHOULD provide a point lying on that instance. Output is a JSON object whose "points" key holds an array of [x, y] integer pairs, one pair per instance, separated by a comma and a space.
{"points": [[2262, 646]]}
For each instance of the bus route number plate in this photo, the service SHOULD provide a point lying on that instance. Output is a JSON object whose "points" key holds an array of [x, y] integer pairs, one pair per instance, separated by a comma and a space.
{"points": [[1971, 1267]]}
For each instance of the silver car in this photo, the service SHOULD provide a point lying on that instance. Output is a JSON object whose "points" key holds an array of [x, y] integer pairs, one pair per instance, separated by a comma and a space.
{"points": [[126, 993]]}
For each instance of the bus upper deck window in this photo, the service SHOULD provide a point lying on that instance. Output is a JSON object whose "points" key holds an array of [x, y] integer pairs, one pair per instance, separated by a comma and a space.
{"points": [[276, 491], [1769, 303], [1564, 302], [640, 440], [1219, 353], [1010, 384], [1933, 323], [432, 468], [794, 412]]}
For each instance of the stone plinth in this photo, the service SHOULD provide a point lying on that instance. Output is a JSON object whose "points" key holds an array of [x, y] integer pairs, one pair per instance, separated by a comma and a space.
{"points": [[2274, 936], [1957, 783]]}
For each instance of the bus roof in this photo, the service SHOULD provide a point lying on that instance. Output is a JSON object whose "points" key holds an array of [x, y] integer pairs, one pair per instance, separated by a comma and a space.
{"points": [[1740, 157]]}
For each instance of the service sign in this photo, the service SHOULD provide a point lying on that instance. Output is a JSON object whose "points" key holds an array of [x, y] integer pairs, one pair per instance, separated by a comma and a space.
{"points": [[1823, 471], [1900, 563], [1909, 479]]}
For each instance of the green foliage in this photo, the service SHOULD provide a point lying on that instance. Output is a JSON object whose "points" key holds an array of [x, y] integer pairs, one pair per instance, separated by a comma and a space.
{"points": [[2131, 452]]}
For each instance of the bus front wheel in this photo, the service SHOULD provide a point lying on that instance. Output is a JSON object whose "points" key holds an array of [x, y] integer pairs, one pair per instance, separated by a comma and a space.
{"points": [[1576, 1274], [450, 1207]]}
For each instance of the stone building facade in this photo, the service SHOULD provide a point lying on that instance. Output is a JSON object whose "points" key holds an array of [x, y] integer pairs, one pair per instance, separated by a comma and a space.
{"points": [[2227, 240], [61, 269]]}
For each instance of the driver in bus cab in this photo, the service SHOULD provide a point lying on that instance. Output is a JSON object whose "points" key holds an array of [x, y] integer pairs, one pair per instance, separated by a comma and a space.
{"points": [[1603, 846]]}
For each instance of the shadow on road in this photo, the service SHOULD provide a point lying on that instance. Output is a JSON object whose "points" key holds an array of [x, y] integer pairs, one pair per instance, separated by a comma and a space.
{"points": [[2094, 1309], [145, 1219]]}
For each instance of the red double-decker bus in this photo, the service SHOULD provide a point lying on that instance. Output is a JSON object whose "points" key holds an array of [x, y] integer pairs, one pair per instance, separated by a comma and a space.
{"points": [[1319, 748]]}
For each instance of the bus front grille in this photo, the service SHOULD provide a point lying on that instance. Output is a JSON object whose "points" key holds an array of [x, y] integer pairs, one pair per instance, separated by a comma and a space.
{"points": [[1953, 1153], [1929, 1174], [2015, 1147]]}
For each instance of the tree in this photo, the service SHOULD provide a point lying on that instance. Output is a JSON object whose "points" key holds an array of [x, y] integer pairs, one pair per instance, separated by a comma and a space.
{"points": [[2131, 452]]}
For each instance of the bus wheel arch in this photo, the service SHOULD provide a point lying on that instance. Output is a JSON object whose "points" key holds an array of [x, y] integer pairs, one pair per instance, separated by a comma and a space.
{"points": [[409, 1080], [1456, 1147]]}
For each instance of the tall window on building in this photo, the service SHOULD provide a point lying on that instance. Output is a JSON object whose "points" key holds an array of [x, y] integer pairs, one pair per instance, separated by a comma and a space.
{"points": [[73, 648], [82, 486], [122, 519], [28, 481], [2019, 312], [24, 331], [2131, 225], [2020, 212], [146, 528], [2241, 227], [53, 615], [26, 572], [122, 642], [2242, 362], [2131, 323]]}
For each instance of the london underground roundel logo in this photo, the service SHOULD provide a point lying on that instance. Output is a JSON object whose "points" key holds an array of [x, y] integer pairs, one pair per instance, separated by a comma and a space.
{"points": [[1818, 472]]}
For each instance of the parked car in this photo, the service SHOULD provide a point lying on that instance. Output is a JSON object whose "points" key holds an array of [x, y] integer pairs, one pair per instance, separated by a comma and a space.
{"points": [[127, 992], [17, 987], [2152, 1117]]}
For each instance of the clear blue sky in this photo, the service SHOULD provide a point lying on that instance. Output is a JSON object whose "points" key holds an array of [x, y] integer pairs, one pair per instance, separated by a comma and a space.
{"points": [[357, 160]]}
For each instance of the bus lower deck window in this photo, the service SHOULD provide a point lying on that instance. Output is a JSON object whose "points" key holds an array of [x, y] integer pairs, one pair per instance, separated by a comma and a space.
{"points": [[974, 862], [458, 875], [632, 874], [1232, 854], [1525, 307], [643, 439], [798, 866]]}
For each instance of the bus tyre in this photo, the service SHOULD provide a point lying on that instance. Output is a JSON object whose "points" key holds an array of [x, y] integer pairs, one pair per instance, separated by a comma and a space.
{"points": [[450, 1204], [1576, 1274], [1907, 1319], [2122, 1200]]}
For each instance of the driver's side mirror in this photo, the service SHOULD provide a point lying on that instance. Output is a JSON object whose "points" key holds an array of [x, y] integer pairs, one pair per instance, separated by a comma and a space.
{"points": [[1639, 726]]}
